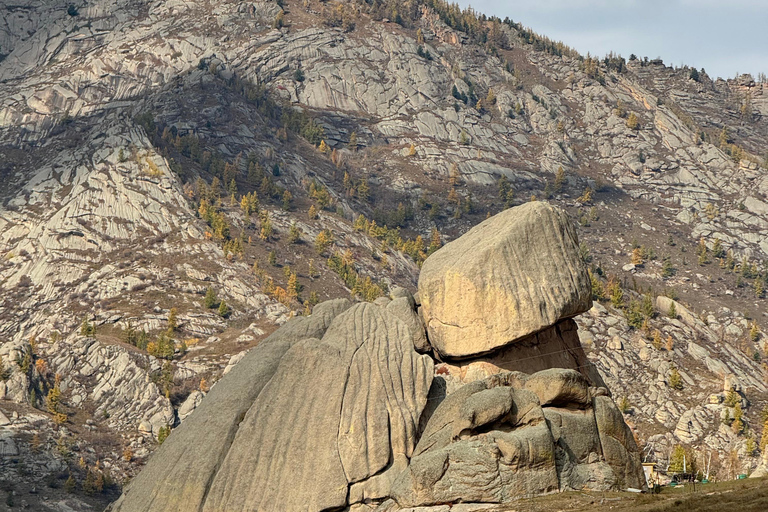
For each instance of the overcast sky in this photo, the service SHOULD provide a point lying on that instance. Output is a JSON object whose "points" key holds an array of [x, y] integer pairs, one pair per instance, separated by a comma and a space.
{"points": [[724, 37]]}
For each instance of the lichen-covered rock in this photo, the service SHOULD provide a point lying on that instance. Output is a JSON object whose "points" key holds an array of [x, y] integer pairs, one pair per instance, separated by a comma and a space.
{"points": [[513, 275]]}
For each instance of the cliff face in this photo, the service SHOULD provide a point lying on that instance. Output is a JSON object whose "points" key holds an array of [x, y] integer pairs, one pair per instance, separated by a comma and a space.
{"points": [[111, 111]]}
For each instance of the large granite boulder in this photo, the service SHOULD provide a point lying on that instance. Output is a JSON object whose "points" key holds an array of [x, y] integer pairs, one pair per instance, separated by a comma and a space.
{"points": [[301, 423], [510, 276]]}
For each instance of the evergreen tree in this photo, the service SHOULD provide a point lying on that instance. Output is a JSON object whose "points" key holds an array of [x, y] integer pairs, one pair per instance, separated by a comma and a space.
{"points": [[738, 422], [210, 300], [223, 310], [560, 180], [633, 123], [672, 313], [294, 233], [675, 381], [323, 241], [173, 322], [434, 241]]}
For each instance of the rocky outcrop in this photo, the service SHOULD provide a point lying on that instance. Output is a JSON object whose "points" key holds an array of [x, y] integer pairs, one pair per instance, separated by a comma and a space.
{"points": [[330, 409], [513, 435], [338, 409], [488, 289]]}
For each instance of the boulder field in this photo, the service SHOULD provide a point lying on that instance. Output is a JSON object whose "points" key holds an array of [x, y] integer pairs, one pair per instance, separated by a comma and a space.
{"points": [[412, 401]]}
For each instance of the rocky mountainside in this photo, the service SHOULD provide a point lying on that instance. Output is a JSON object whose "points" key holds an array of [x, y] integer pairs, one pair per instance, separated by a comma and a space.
{"points": [[181, 178]]}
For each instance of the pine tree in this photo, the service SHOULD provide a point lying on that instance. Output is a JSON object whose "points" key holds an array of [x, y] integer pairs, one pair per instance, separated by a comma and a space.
{"points": [[265, 233], [323, 148], [560, 180], [434, 241], [87, 328], [163, 433], [657, 343], [738, 422], [293, 287], [616, 293], [667, 270], [294, 233], [223, 310], [53, 402], [173, 322], [648, 309], [353, 141], [679, 460], [633, 123], [272, 258], [287, 199], [312, 213], [754, 332], [764, 437], [750, 446], [363, 190], [412, 150], [504, 187], [70, 485], [210, 300], [672, 313], [323, 240], [675, 381], [624, 405], [598, 292], [637, 256]]}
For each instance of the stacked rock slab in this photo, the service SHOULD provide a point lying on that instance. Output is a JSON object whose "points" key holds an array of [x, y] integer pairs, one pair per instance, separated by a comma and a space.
{"points": [[511, 276], [345, 409]]}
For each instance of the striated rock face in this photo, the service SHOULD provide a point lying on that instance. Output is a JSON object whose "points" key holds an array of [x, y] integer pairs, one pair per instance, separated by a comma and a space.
{"points": [[508, 277], [329, 409]]}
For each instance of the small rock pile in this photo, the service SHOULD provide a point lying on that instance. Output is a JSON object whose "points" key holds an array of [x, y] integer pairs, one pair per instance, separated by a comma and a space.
{"points": [[347, 408]]}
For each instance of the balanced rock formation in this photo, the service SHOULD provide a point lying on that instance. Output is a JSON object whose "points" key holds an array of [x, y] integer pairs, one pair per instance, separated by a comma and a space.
{"points": [[340, 411], [511, 276]]}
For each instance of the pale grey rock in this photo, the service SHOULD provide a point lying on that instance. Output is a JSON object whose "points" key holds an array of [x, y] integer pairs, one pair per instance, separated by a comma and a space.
{"points": [[190, 404], [483, 290], [380, 408], [178, 479], [404, 308]]}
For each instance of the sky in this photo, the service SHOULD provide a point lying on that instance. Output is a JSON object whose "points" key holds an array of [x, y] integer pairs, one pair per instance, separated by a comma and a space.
{"points": [[725, 37]]}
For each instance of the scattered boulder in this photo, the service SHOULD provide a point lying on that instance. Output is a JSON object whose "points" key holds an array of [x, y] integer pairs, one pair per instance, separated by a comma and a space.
{"points": [[494, 286]]}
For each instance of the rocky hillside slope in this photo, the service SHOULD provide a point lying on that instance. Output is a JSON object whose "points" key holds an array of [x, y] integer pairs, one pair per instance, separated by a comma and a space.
{"points": [[180, 178]]}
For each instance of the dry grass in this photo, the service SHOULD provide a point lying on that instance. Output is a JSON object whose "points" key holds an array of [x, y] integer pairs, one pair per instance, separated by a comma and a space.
{"points": [[749, 495]]}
